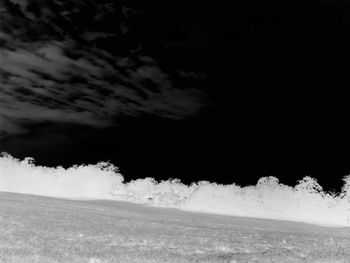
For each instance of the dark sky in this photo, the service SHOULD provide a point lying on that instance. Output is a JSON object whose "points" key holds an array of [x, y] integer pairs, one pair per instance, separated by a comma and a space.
{"points": [[177, 90]]}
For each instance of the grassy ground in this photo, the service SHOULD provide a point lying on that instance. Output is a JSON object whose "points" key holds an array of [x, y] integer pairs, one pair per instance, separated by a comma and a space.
{"points": [[40, 229]]}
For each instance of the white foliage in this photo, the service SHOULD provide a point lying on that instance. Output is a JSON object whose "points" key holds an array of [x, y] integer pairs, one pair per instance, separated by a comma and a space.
{"points": [[309, 184], [346, 187], [305, 202]]}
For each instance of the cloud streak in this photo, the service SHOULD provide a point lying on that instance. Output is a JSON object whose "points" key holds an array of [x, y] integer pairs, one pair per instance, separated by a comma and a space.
{"points": [[66, 80], [42, 83]]}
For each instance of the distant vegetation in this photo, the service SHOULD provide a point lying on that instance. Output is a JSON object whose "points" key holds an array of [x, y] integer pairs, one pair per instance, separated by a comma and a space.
{"points": [[305, 202]]}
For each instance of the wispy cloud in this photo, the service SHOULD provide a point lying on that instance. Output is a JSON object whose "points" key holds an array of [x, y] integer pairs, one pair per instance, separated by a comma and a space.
{"points": [[42, 82], [52, 69]]}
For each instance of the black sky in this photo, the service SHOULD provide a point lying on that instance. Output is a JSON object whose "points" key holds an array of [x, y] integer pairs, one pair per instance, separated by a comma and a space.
{"points": [[177, 90]]}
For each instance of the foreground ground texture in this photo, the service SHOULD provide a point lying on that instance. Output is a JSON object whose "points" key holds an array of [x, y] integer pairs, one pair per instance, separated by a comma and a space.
{"points": [[41, 229]]}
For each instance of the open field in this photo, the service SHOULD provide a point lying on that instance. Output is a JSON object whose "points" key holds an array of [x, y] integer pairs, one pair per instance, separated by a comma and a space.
{"points": [[42, 229]]}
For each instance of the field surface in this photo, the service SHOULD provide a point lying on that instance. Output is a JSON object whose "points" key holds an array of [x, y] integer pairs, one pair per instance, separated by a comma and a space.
{"points": [[42, 229]]}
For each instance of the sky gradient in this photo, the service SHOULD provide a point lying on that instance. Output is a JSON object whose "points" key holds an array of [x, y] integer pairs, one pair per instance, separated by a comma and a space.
{"points": [[191, 91]]}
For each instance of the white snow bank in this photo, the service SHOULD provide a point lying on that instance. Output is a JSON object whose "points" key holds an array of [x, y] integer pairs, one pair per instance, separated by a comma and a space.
{"points": [[306, 202]]}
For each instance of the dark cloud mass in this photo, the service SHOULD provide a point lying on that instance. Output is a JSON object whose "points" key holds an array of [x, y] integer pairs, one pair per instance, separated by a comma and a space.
{"points": [[54, 67]]}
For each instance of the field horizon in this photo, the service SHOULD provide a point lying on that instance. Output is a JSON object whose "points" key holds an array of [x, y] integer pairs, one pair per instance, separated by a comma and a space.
{"points": [[45, 229], [305, 202]]}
